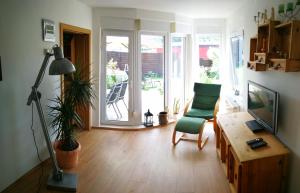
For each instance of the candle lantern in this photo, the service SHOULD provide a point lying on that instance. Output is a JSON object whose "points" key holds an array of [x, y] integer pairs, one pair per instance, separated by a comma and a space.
{"points": [[148, 119]]}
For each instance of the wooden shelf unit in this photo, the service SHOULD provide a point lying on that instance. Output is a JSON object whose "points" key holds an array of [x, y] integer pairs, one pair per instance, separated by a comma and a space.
{"points": [[253, 47], [288, 47], [261, 170], [276, 45], [266, 37]]}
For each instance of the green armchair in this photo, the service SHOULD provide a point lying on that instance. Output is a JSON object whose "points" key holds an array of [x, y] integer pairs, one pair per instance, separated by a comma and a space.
{"points": [[205, 102], [205, 105]]}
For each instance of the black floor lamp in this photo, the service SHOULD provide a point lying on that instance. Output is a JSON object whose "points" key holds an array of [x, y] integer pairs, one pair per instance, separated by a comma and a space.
{"points": [[60, 65]]}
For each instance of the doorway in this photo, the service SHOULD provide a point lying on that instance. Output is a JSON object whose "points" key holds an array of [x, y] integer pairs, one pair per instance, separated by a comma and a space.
{"points": [[76, 43]]}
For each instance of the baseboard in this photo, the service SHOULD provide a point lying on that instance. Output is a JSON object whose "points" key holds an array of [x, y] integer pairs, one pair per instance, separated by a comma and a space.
{"points": [[132, 128]]}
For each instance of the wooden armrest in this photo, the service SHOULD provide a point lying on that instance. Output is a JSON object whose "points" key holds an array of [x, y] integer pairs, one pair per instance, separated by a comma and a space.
{"points": [[186, 108], [215, 115], [216, 110]]}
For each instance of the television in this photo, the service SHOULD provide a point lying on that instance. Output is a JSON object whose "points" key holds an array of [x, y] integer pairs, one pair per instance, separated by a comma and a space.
{"points": [[263, 106]]}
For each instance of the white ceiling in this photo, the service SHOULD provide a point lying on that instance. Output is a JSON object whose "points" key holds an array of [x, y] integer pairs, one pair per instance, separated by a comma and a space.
{"points": [[189, 8]]}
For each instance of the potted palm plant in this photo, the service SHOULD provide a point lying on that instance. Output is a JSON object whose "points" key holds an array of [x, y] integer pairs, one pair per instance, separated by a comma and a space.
{"points": [[77, 96]]}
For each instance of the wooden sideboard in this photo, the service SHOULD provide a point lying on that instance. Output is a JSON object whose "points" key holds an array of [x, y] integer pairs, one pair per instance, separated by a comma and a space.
{"points": [[262, 170]]}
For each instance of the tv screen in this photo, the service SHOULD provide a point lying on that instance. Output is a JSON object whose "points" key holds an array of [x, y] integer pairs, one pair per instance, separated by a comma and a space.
{"points": [[263, 106]]}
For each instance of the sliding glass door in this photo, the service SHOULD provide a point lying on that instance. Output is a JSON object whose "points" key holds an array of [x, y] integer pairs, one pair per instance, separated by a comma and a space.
{"points": [[152, 53]]}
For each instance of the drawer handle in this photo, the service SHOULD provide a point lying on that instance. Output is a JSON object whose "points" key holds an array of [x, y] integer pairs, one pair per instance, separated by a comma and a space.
{"points": [[235, 176]]}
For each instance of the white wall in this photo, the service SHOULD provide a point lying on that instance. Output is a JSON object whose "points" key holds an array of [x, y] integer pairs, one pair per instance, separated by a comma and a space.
{"points": [[287, 84], [21, 49]]}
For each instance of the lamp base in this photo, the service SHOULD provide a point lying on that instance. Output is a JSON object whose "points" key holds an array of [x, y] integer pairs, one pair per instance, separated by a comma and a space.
{"points": [[68, 183]]}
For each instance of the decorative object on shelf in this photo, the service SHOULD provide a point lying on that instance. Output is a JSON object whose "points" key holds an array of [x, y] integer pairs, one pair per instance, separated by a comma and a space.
{"points": [[272, 14], [59, 66], [281, 8], [263, 48], [261, 17], [289, 11], [163, 118], [48, 27], [265, 15], [148, 119], [257, 18]]}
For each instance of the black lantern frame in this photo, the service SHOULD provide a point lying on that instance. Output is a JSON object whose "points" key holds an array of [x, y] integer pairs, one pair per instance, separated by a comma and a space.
{"points": [[148, 119]]}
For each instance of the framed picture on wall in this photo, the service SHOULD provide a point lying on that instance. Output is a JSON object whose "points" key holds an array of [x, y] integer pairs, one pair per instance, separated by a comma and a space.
{"points": [[48, 27], [0, 70]]}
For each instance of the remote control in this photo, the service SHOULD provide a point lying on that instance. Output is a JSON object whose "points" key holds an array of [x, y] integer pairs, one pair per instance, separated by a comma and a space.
{"points": [[258, 144], [252, 141]]}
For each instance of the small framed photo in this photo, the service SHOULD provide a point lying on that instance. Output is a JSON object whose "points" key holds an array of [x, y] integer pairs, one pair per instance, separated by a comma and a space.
{"points": [[48, 30], [0, 70]]}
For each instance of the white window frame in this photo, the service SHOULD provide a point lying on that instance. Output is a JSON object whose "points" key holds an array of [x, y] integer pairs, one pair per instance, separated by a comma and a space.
{"points": [[186, 45]]}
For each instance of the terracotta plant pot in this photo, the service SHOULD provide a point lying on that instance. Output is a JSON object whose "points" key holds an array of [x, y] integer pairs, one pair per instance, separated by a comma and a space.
{"points": [[66, 159]]}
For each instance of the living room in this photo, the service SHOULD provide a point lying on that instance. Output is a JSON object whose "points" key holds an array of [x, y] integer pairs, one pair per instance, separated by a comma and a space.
{"points": [[154, 30]]}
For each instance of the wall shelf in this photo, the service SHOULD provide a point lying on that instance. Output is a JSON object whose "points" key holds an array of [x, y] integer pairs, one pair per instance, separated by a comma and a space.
{"points": [[284, 65], [276, 47]]}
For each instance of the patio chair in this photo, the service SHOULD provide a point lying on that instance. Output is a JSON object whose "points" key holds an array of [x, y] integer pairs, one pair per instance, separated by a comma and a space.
{"points": [[122, 93], [112, 98], [204, 108]]}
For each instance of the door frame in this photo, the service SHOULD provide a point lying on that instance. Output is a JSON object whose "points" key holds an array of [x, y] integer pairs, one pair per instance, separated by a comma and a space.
{"points": [[131, 80], [77, 30]]}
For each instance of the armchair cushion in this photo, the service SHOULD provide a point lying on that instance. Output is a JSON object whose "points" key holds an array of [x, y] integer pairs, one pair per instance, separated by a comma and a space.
{"points": [[206, 96], [200, 113], [189, 125]]}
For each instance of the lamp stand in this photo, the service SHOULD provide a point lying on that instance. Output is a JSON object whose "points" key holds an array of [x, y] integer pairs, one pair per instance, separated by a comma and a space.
{"points": [[58, 180]]}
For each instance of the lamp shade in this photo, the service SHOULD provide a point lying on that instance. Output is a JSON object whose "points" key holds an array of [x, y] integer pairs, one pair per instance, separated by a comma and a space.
{"points": [[60, 65]]}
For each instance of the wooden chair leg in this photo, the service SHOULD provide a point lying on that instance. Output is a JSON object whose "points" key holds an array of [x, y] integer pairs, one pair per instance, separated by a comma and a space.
{"points": [[215, 124], [174, 140], [174, 137], [201, 141]]}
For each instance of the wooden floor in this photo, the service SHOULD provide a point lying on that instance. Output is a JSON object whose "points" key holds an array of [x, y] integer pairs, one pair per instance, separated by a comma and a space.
{"points": [[140, 162]]}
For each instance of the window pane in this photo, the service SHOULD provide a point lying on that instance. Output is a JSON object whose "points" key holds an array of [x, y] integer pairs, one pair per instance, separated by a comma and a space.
{"points": [[117, 78], [237, 62], [209, 46], [152, 51], [177, 75]]}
